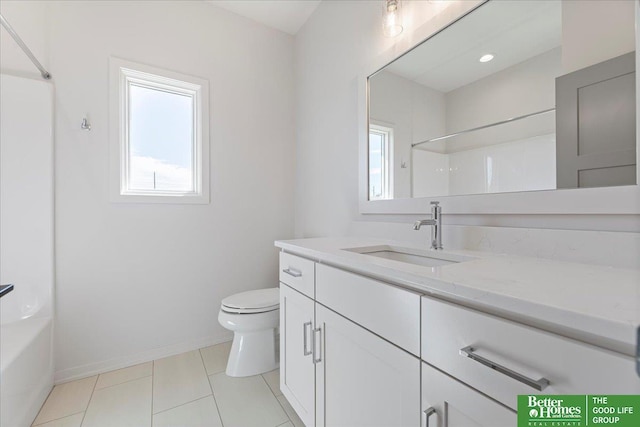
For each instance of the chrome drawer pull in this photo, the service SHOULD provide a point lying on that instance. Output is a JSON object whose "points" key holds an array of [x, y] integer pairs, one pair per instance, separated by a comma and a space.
{"points": [[317, 359], [291, 272], [428, 412], [306, 327], [539, 385]]}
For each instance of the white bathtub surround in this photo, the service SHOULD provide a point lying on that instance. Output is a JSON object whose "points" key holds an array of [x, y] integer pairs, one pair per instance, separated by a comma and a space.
{"points": [[26, 247], [595, 304], [177, 390]]}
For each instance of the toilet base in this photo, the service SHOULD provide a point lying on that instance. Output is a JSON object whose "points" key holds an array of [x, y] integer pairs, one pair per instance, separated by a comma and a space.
{"points": [[253, 353]]}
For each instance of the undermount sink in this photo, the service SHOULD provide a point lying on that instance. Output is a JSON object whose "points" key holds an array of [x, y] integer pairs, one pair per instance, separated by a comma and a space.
{"points": [[427, 258]]}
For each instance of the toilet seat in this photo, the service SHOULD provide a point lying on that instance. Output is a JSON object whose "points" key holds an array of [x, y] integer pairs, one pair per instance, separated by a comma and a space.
{"points": [[251, 302]]}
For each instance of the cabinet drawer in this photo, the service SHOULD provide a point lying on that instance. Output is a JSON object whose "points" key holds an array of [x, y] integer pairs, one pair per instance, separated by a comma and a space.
{"points": [[388, 311], [297, 272], [571, 367]]}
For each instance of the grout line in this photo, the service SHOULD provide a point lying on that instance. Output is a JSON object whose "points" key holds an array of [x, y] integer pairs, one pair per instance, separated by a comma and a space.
{"points": [[153, 367], [205, 366], [89, 403], [127, 381], [211, 387], [268, 386], [279, 403], [44, 403], [278, 385], [182, 404], [57, 419]]}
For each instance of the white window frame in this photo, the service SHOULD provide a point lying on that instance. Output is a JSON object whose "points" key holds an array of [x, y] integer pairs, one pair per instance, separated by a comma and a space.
{"points": [[387, 167], [122, 75]]}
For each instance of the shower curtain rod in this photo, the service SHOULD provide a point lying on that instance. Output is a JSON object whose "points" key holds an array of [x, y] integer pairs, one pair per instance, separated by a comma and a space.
{"points": [[45, 74]]}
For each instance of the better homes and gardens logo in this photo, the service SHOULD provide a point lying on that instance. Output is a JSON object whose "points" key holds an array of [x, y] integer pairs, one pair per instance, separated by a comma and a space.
{"points": [[578, 410], [554, 410]]}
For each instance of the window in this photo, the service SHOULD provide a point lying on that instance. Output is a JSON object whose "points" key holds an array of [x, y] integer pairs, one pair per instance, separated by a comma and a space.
{"points": [[380, 162], [159, 122]]}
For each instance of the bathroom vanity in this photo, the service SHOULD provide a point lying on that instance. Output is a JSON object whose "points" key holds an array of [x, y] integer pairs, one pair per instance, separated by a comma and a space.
{"points": [[374, 333]]}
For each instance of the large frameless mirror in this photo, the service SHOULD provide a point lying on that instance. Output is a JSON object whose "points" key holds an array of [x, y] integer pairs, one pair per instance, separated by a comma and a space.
{"points": [[515, 96]]}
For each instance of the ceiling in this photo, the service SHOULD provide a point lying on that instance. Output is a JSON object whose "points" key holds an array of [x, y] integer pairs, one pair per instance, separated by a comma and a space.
{"points": [[283, 15]]}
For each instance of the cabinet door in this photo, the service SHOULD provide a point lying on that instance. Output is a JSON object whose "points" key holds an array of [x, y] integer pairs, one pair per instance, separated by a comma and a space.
{"points": [[297, 379], [457, 405], [362, 380]]}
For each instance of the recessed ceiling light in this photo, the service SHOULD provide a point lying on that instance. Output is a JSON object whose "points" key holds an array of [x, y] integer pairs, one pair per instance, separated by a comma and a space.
{"points": [[486, 58]]}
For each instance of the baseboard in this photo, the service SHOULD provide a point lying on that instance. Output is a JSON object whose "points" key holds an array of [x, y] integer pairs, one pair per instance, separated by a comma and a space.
{"points": [[79, 372]]}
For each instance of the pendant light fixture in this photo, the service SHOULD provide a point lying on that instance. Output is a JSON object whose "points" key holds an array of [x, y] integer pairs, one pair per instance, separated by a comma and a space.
{"points": [[392, 18]]}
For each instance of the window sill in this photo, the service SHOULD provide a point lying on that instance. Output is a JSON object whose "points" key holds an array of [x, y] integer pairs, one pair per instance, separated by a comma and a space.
{"points": [[174, 199]]}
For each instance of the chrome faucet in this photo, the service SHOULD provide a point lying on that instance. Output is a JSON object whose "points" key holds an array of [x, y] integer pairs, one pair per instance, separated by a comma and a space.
{"points": [[436, 225]]}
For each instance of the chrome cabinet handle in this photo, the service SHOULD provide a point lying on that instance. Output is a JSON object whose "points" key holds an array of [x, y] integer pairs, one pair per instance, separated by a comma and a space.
{"points": [[5, 289], [291, 272], [428, 412], [306, 327], [317, 359], [539, 385]]}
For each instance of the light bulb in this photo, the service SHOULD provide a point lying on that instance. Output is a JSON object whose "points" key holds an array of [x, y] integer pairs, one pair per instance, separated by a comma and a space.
{"points": [[392, 18], [486, 58]]}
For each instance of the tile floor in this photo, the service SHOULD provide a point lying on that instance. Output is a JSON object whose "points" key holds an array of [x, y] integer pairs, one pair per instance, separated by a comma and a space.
{"points": [[187, 390]]}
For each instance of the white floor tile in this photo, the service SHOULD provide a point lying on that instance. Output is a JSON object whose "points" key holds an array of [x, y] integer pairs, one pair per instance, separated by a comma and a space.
{"points": [[123, 375], [201, 413], [67, 399], [72, 421], [295, 419], [122, 405], [215, 357], [246, 402], [273, 380], [178, 380]]}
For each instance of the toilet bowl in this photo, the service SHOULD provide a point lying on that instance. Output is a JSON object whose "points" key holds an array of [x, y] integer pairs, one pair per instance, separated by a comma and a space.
{"points": [[253, 317]]}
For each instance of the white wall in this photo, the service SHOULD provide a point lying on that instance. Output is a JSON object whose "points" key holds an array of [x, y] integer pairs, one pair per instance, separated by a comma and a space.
{"points": [[136, 281], [596, 30], [521, 89]]}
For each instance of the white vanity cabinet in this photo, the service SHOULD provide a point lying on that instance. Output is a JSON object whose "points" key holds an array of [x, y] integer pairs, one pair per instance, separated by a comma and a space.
{"points": [[336, 372], [357, 351]]}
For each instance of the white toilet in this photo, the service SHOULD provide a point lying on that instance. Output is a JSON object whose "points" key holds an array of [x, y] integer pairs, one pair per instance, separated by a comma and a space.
{"points": [[253, 317]]}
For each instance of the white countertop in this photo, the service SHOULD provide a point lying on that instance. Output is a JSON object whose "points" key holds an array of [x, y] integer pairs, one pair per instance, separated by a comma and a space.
{"points": [[596, 304]]}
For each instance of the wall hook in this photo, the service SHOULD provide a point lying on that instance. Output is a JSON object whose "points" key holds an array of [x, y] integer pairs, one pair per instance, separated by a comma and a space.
{"points": [[85, 125]]}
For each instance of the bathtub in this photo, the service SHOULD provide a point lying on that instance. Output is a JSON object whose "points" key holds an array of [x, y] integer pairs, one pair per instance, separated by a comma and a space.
{"points": [[26, 248], [26, 369]]}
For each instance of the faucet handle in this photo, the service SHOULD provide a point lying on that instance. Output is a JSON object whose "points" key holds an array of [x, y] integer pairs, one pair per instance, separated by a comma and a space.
{"points": [[434, 203]]}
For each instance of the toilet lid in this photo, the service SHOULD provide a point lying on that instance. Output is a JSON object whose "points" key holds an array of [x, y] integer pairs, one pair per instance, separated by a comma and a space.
{"points": [[253, 301]]}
